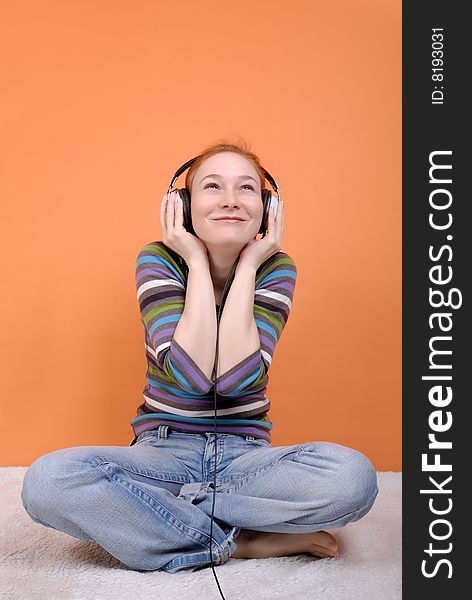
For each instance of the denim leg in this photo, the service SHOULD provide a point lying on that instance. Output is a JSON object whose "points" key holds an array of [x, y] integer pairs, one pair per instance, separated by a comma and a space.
{"points": [[127, 500], [296, 489]]}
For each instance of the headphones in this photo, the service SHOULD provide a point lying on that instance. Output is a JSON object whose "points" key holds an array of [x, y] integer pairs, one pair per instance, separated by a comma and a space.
{"points": [[267, 201]]}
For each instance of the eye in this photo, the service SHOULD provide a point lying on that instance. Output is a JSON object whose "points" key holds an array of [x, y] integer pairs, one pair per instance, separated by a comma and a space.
{"points": [[210, 185]]}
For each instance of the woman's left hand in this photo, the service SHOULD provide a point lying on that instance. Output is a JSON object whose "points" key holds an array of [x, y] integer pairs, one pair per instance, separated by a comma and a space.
{"points": [[257, 251]]}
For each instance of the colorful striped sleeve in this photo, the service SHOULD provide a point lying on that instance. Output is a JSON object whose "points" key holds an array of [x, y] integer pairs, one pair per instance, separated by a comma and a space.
{"points": [[275, 286], [160, 289]]}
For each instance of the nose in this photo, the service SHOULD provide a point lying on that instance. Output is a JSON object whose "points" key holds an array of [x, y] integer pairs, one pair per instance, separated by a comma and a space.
{"points": [[228, 199]]}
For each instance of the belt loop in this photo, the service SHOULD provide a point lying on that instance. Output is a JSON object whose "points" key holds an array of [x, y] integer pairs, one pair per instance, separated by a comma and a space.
{"points": [[163, 431]]}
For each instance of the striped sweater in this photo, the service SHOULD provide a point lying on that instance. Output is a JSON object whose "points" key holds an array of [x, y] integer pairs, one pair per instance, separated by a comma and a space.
{"points": [[177, 392]]}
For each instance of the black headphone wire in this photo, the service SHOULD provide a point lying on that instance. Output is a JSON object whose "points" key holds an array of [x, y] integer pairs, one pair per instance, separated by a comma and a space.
{"points": [[215, 371]]}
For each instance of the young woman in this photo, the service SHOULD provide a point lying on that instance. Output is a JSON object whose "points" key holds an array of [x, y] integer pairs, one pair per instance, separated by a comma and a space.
{"points": [[150, 504]]}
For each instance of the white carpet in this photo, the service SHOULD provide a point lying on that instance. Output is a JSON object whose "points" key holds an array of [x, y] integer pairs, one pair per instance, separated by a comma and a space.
{"points": [[37, 562]]}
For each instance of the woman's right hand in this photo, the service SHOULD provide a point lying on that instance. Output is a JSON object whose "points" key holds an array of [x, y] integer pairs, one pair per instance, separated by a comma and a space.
{"points": [[189, 246]]}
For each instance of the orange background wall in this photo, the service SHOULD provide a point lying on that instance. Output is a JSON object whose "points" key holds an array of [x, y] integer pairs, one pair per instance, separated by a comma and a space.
{"points": [[101, 102]]}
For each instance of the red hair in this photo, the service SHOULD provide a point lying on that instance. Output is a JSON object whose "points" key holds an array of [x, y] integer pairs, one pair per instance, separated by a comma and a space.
{"points": [[242, 148]]}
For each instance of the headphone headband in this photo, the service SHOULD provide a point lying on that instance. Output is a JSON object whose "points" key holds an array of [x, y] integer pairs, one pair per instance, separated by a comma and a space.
{"points": [[186, 165]]}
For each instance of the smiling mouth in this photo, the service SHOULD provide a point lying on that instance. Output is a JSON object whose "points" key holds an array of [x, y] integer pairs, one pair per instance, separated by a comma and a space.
{"points": [[229, 220]]}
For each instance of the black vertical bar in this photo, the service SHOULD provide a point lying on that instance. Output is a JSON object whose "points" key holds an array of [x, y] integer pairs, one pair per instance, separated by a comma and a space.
{"points": [[436, 270]]}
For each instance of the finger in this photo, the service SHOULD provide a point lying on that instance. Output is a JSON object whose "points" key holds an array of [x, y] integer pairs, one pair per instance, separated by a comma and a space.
{"points": [[178, 210], [276, 215], [271, 220], [162, 213], [279, 222], [170, 212], [279, 219]]}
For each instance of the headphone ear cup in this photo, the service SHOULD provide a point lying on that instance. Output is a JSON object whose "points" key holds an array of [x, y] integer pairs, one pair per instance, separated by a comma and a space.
{"points": [[187, 215], [266, 198]]}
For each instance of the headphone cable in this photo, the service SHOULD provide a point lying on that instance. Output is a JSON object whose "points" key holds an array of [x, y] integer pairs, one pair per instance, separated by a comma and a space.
{"points": [[215, 367]]}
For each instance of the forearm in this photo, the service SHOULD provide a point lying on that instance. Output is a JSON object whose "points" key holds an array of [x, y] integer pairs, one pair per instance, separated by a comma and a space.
{"points": [[238, 333], [196, 329]]}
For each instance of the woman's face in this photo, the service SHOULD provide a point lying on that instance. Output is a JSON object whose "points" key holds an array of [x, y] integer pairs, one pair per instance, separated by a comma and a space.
{"points": [[224, 185]]}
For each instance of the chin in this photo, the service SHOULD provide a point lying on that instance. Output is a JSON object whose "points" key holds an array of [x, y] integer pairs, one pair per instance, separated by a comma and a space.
{"points": [[225, 237], [228, 241]]}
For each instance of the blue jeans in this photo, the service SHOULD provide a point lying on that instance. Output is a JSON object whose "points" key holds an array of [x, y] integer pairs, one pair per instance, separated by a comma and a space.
{"points": [[149, 505]]}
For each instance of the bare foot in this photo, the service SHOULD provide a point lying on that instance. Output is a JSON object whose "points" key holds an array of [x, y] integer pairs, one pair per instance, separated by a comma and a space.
{"points": [[262, 544]]}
